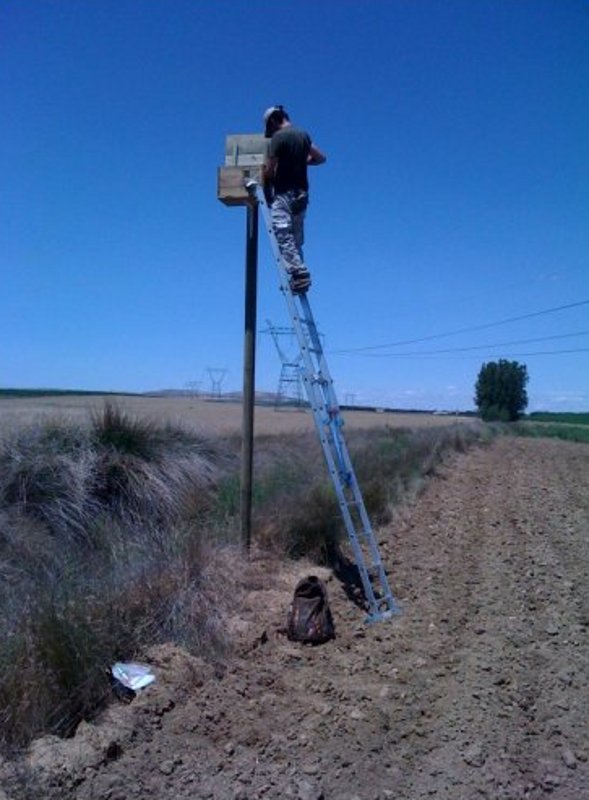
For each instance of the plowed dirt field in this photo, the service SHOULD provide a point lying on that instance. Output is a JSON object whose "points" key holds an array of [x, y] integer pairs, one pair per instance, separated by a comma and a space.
{"points": [[478, 690]]}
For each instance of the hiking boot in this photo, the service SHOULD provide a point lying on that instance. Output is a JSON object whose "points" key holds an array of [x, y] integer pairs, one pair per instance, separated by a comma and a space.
{"points": [[299, 279]]}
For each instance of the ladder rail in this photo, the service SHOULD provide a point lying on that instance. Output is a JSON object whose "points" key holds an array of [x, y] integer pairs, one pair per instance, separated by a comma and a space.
{"points": [[321, 394]]}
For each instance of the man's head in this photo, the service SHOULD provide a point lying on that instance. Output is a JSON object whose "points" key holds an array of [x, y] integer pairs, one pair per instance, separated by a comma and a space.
{"points": [[274, 118]]}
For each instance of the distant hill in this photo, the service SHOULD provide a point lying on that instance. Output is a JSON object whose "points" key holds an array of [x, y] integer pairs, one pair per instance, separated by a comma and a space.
{"points": [[58, 393]]}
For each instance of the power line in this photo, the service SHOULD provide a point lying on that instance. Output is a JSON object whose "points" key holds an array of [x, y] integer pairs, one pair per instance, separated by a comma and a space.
{"points": [[425, 355], [480, 346], [464, 330], [551, 352]]}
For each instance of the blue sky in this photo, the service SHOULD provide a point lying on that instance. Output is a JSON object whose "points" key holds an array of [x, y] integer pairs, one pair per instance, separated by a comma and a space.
{"points": [[453, 211]]}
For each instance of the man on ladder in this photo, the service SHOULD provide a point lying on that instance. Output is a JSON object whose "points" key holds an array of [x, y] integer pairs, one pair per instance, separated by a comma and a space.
{"points": [[286, 187], [291, 152]]}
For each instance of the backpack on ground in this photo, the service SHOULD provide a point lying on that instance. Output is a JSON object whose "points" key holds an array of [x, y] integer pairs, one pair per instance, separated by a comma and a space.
{"points": [[309, 617]]}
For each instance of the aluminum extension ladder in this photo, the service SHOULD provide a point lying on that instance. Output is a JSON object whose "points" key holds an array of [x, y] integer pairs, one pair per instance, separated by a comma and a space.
{"points": [[328, 422]]}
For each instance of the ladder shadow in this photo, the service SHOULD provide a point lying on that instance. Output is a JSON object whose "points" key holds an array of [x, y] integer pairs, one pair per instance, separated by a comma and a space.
{"points": [[348, 574]]}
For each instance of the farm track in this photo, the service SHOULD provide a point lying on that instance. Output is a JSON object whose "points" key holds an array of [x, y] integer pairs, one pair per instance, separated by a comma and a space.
{"points": [[479, 690]]}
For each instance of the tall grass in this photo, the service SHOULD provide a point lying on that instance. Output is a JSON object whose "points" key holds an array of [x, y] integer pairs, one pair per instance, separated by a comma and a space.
{"points": [[101, 553], [297, 512]]}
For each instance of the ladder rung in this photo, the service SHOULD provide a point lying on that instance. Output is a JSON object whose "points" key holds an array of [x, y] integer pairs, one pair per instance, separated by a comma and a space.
{"points": [[353, 503]]}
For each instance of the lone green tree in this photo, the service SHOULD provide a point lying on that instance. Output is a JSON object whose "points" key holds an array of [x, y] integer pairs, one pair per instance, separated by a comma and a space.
{"points": [[500, 391]]}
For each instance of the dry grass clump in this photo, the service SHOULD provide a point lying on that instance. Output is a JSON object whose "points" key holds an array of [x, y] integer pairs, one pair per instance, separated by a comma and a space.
{"points": [[394, 464], [69, 476], [102, 552], [296, 511]]}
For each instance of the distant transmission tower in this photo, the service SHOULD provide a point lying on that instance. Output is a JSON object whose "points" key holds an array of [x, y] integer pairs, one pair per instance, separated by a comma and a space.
{"points": [[217, 375], [193, 388], [349, 399], [290, 386]]}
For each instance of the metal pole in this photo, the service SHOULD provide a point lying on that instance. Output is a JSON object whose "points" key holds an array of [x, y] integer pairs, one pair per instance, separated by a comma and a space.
{"points": [[249, 373]]}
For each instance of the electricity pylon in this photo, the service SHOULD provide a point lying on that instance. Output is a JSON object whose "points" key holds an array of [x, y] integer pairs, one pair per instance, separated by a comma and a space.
{"points": [[217, 375], [193, 388], [290, 387]]}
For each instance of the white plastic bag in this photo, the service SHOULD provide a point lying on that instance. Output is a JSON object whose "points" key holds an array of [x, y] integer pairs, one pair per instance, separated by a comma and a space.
{"points": [[133, 676]]}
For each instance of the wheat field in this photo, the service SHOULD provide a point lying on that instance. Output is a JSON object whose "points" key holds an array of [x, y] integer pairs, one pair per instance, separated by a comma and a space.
{"points": [[203, 415]]}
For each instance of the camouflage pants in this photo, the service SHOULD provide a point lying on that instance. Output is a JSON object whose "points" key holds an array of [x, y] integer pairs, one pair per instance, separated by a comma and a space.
{"points": [[288, 219]]}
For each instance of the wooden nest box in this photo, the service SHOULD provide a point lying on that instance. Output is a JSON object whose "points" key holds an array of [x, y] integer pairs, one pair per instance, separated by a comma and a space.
{"points": [[245, 154]]}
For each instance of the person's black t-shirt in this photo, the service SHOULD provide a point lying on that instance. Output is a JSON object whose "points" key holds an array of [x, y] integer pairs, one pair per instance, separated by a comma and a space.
{"points": [[290, 147]]}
